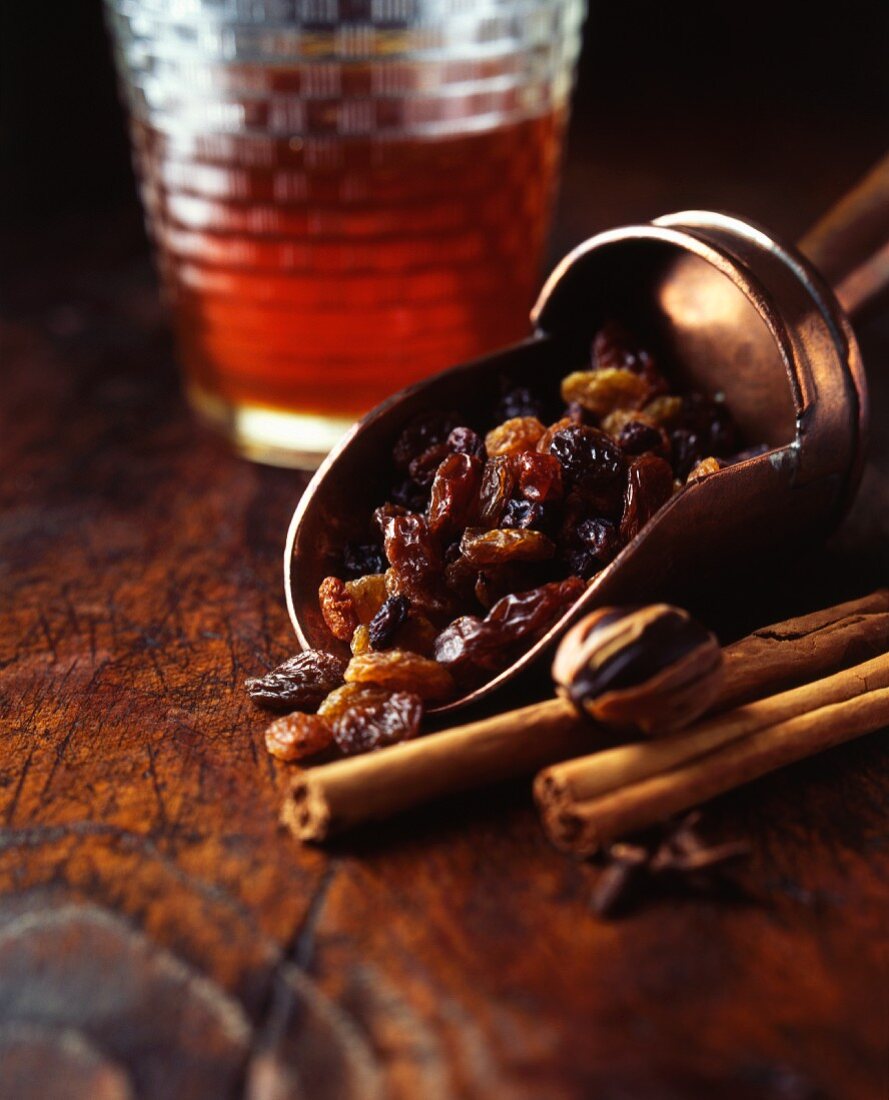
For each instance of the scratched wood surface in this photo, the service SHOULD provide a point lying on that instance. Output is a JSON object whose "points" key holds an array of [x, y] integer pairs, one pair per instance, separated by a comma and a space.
{"points": [[161, 937]]}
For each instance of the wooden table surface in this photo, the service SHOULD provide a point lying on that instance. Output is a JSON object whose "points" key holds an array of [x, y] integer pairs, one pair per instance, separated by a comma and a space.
{"points": [[160, 936]]}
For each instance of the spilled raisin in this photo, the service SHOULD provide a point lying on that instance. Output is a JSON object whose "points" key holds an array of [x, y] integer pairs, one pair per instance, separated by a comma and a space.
{"points": [[300, 683]]}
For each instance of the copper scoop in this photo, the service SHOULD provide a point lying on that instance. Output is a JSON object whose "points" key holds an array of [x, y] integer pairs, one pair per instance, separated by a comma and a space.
{"points": [[742, 314]]}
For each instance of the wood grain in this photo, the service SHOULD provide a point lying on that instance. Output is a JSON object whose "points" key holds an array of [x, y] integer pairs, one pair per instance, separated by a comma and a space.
{"points": [[161, 936]]}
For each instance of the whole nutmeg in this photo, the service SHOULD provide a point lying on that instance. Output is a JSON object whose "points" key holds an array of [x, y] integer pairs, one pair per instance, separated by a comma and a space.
{"points": [[652, 669]]}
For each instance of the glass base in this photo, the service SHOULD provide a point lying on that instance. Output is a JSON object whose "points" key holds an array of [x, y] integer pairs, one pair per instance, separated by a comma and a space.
{"points": [[298, 441]]}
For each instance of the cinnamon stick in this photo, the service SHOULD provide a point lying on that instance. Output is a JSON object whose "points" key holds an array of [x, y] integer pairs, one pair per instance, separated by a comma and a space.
{"points": [[590, 776], [336, 796], [788, 653], [583, 827], [333, 797]]}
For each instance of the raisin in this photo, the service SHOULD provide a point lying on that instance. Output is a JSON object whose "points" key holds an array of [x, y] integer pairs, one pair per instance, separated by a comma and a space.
{"points": [[361, 558], [416, 561], [704, 468], [297, 735], [468, 644], [454, 493], [649, 486], [540, 476], [530, 614], [350, 695], [461, 578], [614, 348], [600, 537], [425, 466], [521, 433], [387, 620], [409, 495], [497, 484], [664, 411], [360, 640], [597, 543], [368, 595], [399, 670], [496, 581], [636, 437], [518, 402], [481, 547], [524, 513], [594, 464], [704, 429], [603, 391], [688, 450], [338, 608], [464, 441], [300, 683], [544, 444], [416, 634], [489, 644], [423, 432], [374, 724]]}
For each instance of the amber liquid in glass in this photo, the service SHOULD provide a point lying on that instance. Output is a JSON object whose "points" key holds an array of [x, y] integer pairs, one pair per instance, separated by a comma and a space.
{"points": [[318, 276]]}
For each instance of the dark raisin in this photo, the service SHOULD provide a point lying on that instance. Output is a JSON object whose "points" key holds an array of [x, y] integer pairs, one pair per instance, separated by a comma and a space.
{"points": [[454, 496], [377, 722], [649, 486], [300, 683], [525, 513], [687, 450], [420, 434], [409, 495], [519, 401], [709, 421], [594, 465], [423, 468], [614, 347], [597, 543], [515, 620], [637, 437], [464, 441], [360, 558], [388, 619], [468, 645]]}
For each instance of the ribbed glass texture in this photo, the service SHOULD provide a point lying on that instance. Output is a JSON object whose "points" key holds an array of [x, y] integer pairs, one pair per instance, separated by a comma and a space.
{"points": [[345, 195]]}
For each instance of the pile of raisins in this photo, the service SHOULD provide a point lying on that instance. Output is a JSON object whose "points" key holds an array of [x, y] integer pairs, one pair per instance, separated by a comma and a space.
{"points": [[485, 541]]}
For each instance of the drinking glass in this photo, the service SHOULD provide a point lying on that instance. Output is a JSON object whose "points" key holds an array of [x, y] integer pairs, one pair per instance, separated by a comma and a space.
{"points": [[343, 195]]}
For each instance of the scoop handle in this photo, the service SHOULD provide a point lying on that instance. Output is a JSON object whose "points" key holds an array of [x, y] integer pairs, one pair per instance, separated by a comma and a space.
{"points": [[850, 243]]}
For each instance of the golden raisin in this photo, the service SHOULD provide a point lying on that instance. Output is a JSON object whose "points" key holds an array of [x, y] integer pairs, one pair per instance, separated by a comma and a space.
{"points": [[297, 735], [399, 670], [521, 433], [603, 391], [663, 411], [360, 640], [338, 608], [704, 468], [350, 695], [368, 595], [502, 544]]}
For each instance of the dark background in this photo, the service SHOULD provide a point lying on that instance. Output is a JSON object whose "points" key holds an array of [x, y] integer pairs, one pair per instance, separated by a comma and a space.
{"points": [[743, 91]]}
